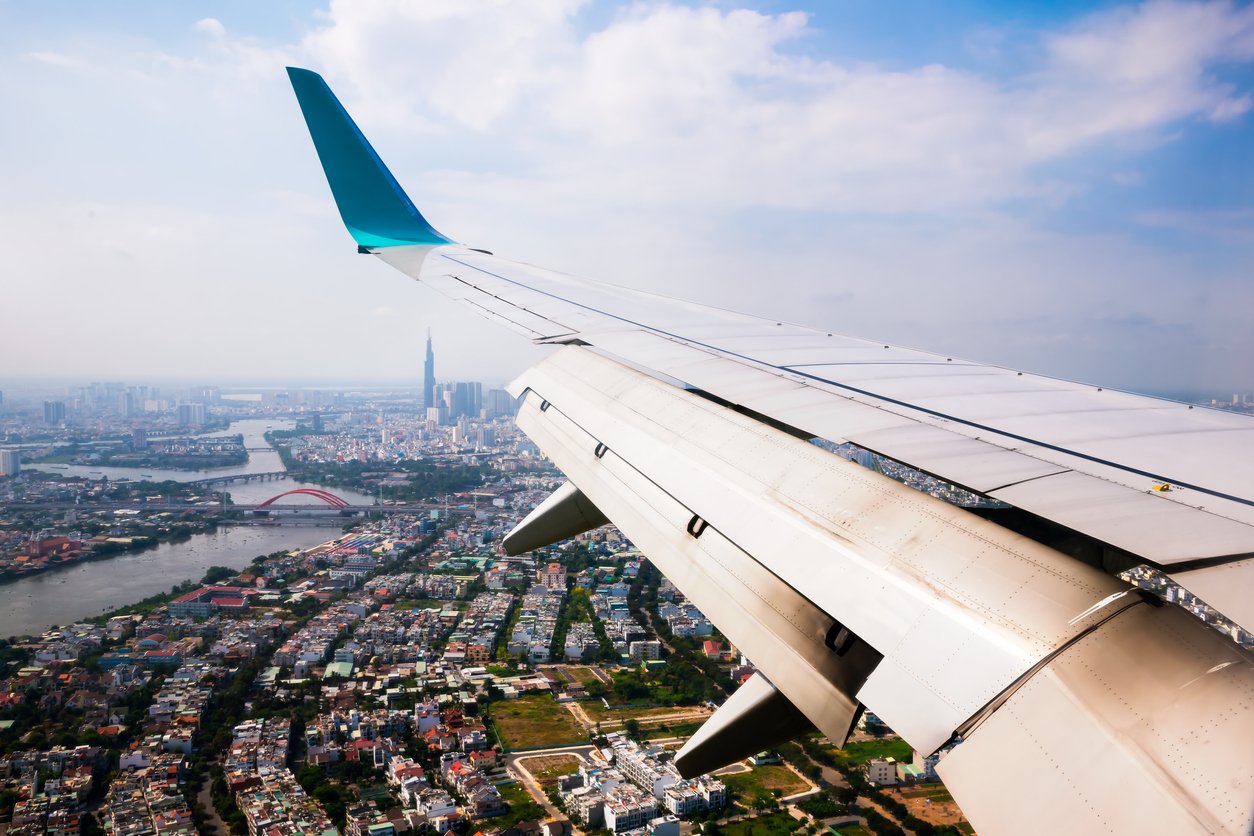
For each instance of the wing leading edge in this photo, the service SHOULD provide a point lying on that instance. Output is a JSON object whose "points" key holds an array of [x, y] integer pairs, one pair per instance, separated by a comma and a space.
{"points": [[849, 589]]}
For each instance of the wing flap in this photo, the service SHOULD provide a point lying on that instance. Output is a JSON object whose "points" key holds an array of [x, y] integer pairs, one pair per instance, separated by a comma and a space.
{"points": [[1228, 588], [959, 605], [761, 615], [1144, 710], [961, 618], [1165, 532]]}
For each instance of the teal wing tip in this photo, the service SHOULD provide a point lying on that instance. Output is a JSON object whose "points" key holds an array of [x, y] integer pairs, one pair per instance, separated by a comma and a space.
{"points": [[372, 204]]}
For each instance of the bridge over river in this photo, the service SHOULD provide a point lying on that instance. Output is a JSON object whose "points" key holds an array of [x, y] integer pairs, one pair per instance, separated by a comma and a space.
{"points": [[239, 477]]}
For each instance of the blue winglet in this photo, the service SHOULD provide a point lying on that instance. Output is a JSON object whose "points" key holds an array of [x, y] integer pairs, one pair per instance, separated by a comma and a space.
{"points": [[374, 207]]}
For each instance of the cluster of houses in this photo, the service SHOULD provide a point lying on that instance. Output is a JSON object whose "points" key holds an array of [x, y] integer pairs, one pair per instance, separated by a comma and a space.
{"points": [[50, 787], [629, 787], [148, 799], [465, 760], [310, 647], [684, 619], [532, 633], [609, 601], [265, 790], [414, 585], [371, 736], [368, 650], [145, 796], [474, 640], [392, 635]]}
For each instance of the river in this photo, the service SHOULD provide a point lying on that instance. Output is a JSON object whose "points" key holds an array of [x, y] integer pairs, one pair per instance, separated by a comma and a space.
{"points": [[60, 596], [63, 595]]}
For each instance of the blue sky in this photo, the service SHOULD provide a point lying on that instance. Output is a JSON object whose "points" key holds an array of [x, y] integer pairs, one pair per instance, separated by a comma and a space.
{"points": [[1063, 187]]}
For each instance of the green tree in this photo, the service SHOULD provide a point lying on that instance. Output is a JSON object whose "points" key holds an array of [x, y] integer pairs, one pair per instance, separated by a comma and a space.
{"points": [[216, 574]]}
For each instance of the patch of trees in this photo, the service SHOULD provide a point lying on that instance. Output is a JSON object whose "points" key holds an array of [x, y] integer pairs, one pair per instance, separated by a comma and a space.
{"points": [[110, 548], [427, 479], [216, 574], [822, 807]]}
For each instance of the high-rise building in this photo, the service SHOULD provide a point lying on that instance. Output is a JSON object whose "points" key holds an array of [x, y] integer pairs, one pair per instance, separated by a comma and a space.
{"points": [[192, 414], [54, 412], [428, 376], [552, 576], [10, 462], [499, 404], [460, 399]]}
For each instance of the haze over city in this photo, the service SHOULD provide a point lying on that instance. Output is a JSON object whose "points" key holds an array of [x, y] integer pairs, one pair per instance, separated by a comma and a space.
{"points": [[1064, 189]]}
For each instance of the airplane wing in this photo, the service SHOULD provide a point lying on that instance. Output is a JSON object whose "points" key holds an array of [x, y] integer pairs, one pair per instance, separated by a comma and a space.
{"points": [[1077, 703]]}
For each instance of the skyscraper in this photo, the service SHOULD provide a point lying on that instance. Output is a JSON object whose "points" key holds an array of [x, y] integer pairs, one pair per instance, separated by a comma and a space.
{"points": [[54, 412], [428, 376], [191, 415]]}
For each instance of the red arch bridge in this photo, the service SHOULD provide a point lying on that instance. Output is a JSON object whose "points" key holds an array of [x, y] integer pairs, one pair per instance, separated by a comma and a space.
{"points": [[329, 498]]}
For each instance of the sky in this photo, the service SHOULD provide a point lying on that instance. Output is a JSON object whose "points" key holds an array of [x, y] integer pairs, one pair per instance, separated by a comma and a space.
{"points": [[1065, 188]]}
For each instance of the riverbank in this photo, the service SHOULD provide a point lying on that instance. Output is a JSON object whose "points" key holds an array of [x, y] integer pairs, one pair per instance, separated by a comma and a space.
{"points": [[32, 600], [89, 588], [80, 552]]}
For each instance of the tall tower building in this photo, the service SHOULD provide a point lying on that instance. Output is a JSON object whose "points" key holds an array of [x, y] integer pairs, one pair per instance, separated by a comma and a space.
{"points": [[428, 376], [54, 412]]}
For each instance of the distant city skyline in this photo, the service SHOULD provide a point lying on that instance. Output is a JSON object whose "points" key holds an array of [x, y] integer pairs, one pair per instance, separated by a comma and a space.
{"points": [[1063, 188]]}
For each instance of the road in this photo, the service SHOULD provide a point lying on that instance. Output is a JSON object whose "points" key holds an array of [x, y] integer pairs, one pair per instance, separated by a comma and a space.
{"points": [[205, 797], [515, 764]]}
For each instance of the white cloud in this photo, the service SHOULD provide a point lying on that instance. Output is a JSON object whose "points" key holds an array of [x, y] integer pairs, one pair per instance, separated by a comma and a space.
{"points": [[56, 59], [702, 107], [211, 26], [668, 148]]}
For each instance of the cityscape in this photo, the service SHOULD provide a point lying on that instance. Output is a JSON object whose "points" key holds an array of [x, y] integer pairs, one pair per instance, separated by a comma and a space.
{"points": [[378, 665], [317, 630]]}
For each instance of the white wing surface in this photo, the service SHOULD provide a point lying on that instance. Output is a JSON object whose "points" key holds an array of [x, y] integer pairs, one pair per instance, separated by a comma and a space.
{"points": [[686, 426]]}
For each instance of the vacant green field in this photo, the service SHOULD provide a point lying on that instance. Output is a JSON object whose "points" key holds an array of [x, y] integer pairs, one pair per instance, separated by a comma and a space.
{"points": [[935, 792], [521, 807], [764, 779], [776, 824], [534, 721], [514, 794], [861, 751], [599, 713], [546, 769], [853, 830], [583, 675], [671, 730]]}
